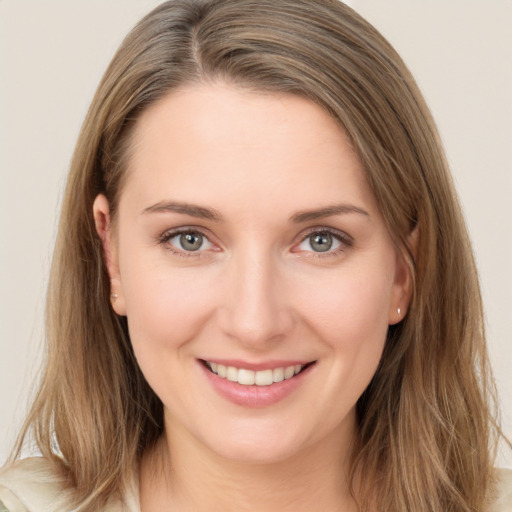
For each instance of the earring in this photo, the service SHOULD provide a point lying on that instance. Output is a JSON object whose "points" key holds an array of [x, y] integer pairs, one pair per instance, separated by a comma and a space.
{"points": [[113, 297], [399, 311]]}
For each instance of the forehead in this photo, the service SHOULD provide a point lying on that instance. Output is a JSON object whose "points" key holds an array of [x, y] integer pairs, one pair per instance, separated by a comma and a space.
{"points": [[214, 142]]}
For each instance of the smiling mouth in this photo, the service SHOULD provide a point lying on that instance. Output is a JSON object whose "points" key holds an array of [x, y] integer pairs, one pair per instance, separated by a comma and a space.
{"points": [[255, 378]]}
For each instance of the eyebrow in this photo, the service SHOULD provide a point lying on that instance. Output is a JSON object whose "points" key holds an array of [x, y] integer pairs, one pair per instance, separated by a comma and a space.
{"points": [[186, 209], [210, 214], [328, 211]]}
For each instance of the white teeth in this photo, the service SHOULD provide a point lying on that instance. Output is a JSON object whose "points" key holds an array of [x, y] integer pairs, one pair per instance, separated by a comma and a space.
{"points": [[289, 372], [246, 377], [251, 378], [264, 378], [221, 371], [278, 374], [232, 374]]}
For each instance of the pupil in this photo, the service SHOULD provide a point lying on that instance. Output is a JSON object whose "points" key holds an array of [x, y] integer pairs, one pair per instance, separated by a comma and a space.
{"points": [[321, 242], [191, 241]]}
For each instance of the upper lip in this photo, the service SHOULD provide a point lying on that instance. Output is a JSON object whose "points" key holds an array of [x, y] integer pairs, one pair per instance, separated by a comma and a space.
{"points": [[259, 366]]}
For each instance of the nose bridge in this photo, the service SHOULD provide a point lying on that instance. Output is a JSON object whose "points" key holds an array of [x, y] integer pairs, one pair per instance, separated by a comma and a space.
{"points": [[255, 306]]}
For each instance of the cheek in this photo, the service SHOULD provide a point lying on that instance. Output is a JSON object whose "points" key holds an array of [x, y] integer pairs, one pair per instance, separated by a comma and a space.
{"points": [[165, 307], [350, 307], [349, 314]]}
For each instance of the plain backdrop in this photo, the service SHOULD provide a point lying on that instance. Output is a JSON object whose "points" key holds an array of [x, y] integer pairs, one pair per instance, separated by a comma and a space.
{"points": [[52, 55]]}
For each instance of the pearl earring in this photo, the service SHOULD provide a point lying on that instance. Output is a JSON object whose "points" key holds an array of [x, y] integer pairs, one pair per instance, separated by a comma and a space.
{"points": [[399, 311], [113, 297]]}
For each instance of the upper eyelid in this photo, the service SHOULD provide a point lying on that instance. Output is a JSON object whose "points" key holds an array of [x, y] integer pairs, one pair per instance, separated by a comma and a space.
{"points": [[324, 229], [345, 240], [170, 233], [341, 235]]}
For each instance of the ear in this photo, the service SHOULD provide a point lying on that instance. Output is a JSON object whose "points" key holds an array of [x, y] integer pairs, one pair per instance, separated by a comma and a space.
{"points": [[404, 281], [101, 212]]}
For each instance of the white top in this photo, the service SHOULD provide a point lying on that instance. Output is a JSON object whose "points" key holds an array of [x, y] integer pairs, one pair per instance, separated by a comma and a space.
{"points": [[30, 486]]}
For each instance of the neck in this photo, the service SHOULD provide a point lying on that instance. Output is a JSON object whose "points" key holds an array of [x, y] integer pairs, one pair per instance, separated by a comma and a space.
{"points": [[183, 475]]}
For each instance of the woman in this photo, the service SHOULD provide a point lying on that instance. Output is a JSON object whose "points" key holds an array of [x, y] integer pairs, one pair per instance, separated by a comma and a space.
{"points": [[263, 294]]}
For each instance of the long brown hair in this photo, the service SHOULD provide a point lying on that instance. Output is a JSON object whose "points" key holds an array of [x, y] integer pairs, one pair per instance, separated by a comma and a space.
{"points": [[426, 432]]}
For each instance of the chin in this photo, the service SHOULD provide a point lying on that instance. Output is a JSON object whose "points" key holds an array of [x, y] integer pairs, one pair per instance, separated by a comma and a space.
{"points": [[262, 454], [260, 445]]}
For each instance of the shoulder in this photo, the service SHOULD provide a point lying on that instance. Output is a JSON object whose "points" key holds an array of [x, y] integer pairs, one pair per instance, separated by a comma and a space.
{"points": [[503, 502], [31, 485]]}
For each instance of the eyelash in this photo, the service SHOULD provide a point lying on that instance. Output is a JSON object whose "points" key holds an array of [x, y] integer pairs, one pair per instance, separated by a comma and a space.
{"points": [[345, 242], [169, 235]]}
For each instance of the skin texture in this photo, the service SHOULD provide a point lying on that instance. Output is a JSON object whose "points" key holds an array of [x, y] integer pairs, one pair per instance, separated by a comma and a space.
{"points": [[256, 291]]}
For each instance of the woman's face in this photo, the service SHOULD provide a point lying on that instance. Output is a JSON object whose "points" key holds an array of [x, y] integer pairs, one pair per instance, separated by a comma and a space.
{"points": [[248, 247]]}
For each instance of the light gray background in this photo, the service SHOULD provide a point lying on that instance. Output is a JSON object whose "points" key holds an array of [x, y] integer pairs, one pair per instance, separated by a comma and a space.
{"points": [[52, 55]]}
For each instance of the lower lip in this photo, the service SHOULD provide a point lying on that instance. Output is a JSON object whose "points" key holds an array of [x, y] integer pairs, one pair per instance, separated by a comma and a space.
{"points": [[255, 396]]}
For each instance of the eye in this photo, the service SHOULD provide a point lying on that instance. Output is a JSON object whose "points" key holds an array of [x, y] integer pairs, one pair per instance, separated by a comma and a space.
{"points": [[189, 241], [321, 242]]}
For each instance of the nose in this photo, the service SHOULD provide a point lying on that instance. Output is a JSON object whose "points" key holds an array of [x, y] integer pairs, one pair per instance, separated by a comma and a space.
{"points": [[255, 307]]}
